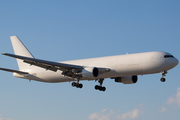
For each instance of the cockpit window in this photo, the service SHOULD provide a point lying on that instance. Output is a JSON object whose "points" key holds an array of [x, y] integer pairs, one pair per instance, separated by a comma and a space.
{"points": [[168, 56]]}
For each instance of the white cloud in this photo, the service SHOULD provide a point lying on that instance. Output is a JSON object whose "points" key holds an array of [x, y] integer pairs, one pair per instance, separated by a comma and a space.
{"points": [[104, 110], [130, 115], [163, 109], [94, 116], [175, 99], [107, 114], [104, 114], [4, 118]]}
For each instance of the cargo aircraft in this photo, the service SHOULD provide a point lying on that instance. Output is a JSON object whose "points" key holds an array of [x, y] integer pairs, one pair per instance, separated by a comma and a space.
{"points": [[122, 68]]}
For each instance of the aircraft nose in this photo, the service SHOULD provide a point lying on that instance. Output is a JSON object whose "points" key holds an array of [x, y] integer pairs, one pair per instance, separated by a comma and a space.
{"points": [[172, 62], [176, 61]]}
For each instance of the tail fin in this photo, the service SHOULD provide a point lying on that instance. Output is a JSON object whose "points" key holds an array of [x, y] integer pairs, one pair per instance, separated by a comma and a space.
{"points": [[20, 49]]}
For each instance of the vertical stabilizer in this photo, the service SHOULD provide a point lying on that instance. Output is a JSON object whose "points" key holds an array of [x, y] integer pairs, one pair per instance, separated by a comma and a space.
{"points": [[20, 49]]}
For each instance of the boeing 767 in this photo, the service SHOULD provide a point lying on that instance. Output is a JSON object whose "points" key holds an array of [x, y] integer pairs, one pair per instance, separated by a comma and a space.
{"points": [[122, 68]]}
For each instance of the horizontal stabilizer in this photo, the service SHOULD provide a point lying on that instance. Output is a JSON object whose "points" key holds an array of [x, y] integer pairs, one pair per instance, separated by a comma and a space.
{"points": [[16, 71]]}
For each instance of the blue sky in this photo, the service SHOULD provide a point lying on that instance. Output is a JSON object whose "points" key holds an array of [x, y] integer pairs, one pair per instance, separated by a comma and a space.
{"points": [[61, 30]]}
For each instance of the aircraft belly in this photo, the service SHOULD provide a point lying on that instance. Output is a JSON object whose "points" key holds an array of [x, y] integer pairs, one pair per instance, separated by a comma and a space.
{"points": [[153, 67], [51, 77], [128, 69]]}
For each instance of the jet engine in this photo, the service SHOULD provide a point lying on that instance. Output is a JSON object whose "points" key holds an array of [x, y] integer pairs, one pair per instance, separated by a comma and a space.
{"points": [[90, 72], [127, 79]]}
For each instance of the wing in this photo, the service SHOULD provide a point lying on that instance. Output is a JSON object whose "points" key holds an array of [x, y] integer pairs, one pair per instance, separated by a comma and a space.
{"points": [[48, 65], [68, 69]]}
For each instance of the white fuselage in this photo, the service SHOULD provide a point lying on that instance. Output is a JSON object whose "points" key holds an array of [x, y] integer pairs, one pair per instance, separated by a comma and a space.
{"points": [[120, 65]]}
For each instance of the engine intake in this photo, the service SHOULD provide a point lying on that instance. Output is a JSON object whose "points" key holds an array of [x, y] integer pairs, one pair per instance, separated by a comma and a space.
{"points": [[127, 79], [90, 72]]}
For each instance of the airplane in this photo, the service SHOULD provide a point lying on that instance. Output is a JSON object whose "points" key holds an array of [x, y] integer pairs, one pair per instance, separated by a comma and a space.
{"points": [[122, 68]]}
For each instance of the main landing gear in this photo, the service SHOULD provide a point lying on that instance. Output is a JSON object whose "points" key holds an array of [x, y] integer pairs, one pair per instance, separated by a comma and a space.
{"points": [[74, 84], [163, 74], [99, 87], [77, 84]]}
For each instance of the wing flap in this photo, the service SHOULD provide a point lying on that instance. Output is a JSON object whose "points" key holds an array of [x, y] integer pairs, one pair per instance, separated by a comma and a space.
{"points": [[45, 66]]}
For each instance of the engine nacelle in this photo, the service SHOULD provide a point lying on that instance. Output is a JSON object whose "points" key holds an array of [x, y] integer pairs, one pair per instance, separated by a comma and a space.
{"points": [[127, 79], [90, 72]]}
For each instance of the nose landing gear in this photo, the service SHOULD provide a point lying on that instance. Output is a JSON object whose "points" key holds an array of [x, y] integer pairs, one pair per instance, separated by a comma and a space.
{"points": [[163, 74]]}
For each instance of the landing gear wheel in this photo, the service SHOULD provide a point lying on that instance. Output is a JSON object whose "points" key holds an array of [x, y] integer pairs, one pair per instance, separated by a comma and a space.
{"points": [[97, 87], [163, 79], [80, 85], [77, 85], [103, 89], [100, 88], [73, 84]]}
